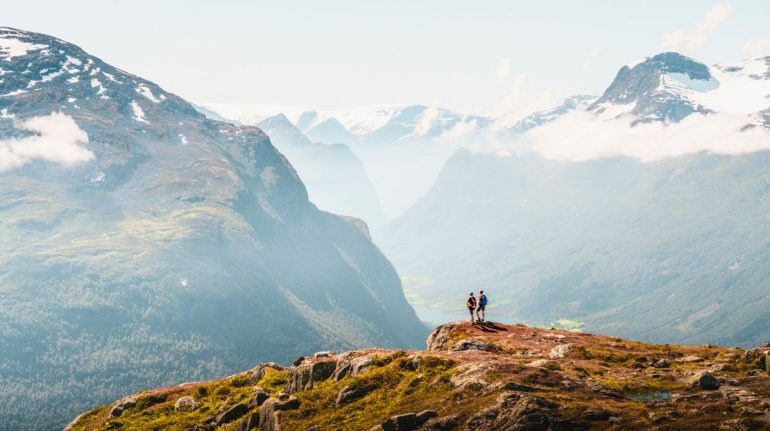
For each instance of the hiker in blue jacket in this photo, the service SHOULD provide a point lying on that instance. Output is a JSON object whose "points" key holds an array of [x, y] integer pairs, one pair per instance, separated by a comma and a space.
{"points": [[480, 313]]}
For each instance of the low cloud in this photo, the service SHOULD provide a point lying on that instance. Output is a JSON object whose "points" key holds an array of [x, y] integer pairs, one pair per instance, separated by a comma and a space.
{"points": [[57, 139], [593, 55], [757, 47], [681, 40], [460, 132], [428, 118], [581, 136]]}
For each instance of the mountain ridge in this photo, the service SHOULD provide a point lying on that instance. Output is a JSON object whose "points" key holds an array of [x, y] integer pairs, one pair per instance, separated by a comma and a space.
{"points": [[485, 377]]}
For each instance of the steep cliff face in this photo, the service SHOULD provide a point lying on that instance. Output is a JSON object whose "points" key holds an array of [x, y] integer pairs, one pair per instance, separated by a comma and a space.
{"points": [[142, 243], [484, 377]]}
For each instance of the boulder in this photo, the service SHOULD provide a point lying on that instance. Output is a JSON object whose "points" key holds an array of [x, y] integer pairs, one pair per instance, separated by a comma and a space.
{"points": [[703, 380], [319, 355], [661, 363], [758, 358], [260, 396], [258, 372], [302, 378], [404, 422], [514, 412], [186, 404], [540, 363], [447, 423], [351, 365], [349, 394], [425, 416], [250, 422], [270, 412], [122, 405], [473, 376], [560, 351], [439, 338], [231, 414]]}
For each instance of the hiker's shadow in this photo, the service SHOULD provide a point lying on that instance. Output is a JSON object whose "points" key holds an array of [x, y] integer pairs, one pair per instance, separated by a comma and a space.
{"points": [[489, 327]]}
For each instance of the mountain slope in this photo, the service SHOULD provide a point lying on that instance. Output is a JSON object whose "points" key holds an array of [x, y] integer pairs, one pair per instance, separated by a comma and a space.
{"points": [[336, 178], [484, 377], [664, 249], [143, 243]]}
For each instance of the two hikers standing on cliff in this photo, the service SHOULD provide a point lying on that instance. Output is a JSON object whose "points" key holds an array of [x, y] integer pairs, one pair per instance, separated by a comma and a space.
{"points": [[479, 307]]}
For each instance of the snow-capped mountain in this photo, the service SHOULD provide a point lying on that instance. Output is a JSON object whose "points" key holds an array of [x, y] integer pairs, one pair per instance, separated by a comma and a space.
{"points": [[670, 86], [143, 243], [403, 147]]}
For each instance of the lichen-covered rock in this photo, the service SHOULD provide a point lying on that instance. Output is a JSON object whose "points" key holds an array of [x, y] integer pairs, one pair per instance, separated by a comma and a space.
{"points": [[425, 416], [260, 396], [186, 404], [270, 412], [560, 351], [231, 414], [259, 371], [540, 363], [302, 377], [446, 423], [758, 358], [439, 338], [122, 405], [404, 422], [348, 394], [349, 364], [250, 422], [514, 412]]}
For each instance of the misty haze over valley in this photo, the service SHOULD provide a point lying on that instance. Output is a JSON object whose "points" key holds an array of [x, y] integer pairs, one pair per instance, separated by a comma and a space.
{"points": [[168, 232]]}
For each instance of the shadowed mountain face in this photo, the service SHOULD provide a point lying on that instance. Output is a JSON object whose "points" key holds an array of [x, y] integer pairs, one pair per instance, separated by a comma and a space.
{"points": [[144, 244], [336, 178]]}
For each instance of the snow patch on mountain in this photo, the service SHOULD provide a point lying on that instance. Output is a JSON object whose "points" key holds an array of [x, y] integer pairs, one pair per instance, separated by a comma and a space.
{"points": [[147, 93], [12, 47], [138, 112]]}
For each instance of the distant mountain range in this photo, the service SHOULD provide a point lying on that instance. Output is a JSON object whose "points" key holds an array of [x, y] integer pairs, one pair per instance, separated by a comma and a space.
{"points": [[336, 178], [403, 147], [643, 215], [144, 244]]}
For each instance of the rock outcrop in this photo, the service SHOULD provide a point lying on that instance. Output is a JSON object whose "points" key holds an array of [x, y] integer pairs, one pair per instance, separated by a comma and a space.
{"points": [[539, 379], [303, 376]]}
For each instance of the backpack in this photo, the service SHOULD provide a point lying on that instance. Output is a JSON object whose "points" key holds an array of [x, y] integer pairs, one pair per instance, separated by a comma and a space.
{"points": [[483, 300]]}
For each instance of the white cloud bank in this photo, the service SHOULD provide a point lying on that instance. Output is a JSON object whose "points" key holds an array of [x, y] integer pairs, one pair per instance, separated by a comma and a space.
{"points": [[757, 47], [57, 139], [581, 136], [681, 40]]}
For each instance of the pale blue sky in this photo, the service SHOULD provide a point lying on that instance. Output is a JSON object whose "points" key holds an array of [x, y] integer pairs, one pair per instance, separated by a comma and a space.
{"points": [[338, 54]]}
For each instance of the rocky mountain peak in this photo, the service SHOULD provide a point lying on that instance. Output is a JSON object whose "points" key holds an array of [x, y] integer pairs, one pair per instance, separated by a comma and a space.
{"points": [[652, 90]]}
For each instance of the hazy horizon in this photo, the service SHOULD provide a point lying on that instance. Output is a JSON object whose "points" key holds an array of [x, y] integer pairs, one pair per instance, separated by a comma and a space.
{"points": [[483, 58]]}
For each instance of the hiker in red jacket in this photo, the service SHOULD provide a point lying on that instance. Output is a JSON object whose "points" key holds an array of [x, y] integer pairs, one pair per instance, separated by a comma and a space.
{"points": [[471, 304]]}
